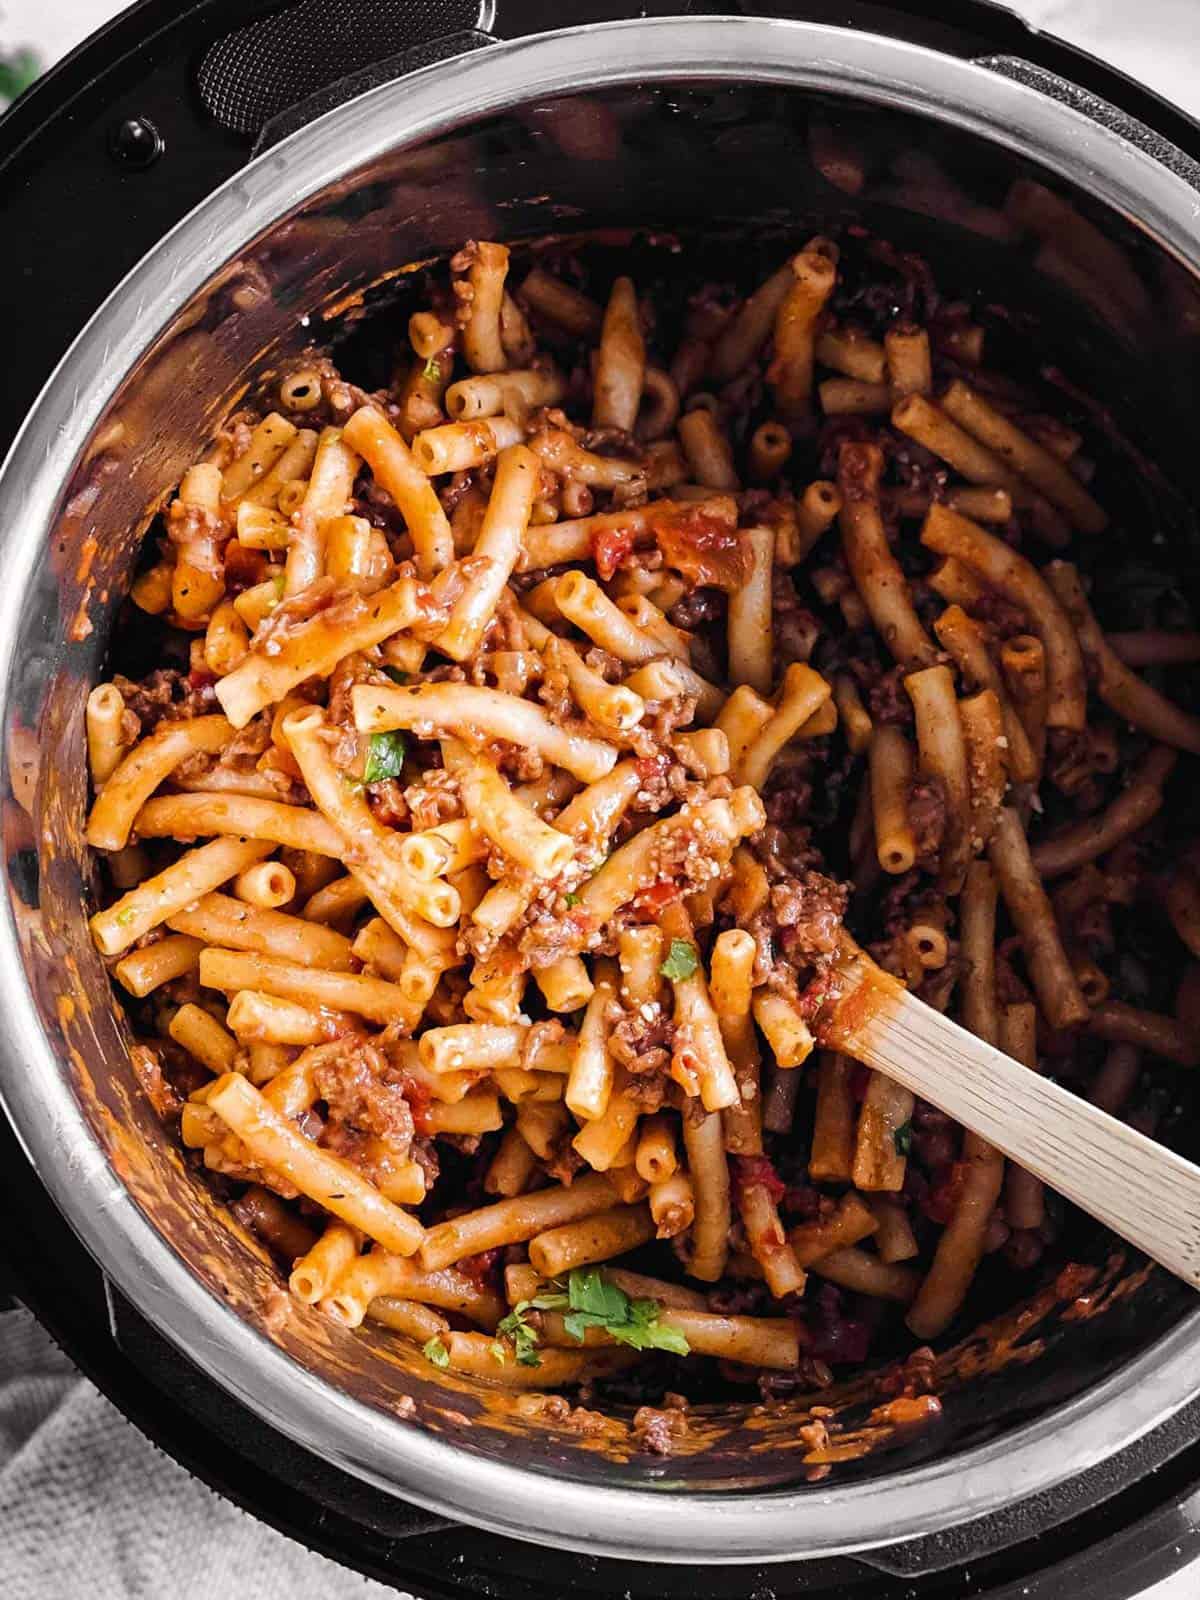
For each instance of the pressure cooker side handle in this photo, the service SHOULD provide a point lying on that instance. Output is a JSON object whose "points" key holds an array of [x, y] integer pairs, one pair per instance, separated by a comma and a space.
{"points": [[1139, 134]]}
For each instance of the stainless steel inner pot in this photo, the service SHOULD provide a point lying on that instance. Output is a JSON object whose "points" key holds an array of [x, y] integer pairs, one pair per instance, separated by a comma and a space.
{"points": [[698, 126]]}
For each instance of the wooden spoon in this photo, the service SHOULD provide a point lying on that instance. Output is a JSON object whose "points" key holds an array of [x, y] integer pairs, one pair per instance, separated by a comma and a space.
{"points": [[1139, 1189]]}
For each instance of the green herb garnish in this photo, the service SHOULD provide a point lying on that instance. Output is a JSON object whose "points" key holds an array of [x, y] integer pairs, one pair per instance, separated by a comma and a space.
{"points": [[385, 757], [682, 961], [591, 1301], [902, 1138], [573, 899], [277, 584], [124, 918], [434, 1350], [432, 370], [597, 1303], [522, 1335]]}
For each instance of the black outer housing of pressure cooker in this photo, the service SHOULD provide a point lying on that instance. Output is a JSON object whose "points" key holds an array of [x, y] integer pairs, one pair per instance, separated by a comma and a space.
{"points": [[97, 162]]}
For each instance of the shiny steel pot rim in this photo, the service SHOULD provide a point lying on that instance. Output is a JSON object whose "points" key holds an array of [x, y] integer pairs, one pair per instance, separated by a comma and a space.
{"points": [[397, 1457]]}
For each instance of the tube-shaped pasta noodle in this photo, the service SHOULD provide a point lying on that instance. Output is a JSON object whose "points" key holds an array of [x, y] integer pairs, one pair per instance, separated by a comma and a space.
{"points": [[791, 371], [1155, 647], [785, 1029], [1033, 916], [397, 470], [770, 450], [817, 510], [1031, 460], [202, 1036], [379, 1273], [895, 1239], [605, 1141], [1182, 904], [442, 850], [831, 1156], [155, 964], [620, 361], [597, 1237], [703, 1141], [943, 756], [965, 641], [267, 1019], [366, 846], [731, 984], [768, 1242], [851, 352], [292, 467], [462, 708], [318, 1174], [1121, 689], [742, 718], [707, 450], [891, 765], [848, 397], [875, 570], [561, 303], [496, 552], [960, 1247], [267, 885], [1094, 836], [330, 487], [565, 984], [218, 919], [699, 1050], [504, 393], [750, 326], [105, 732], [312, 649], [135, 778], [590, 1082], [197, 579], [318, 1271], [852, 713], [232, 970], [850, 1221], [195, 874], [1004, 569], [503, 817], [637, 864], [226, 639], [640, 956], [801, 693], [267, 443], [857, 1270], [512, 1167], [750, 628], [515, 1220], [1161, 1035], [909, 368], [486, 267], [1024, 1195], [977, 950], [672, 1203], [191, 816], [879, 1162], [982, 723], [656, 1157]]}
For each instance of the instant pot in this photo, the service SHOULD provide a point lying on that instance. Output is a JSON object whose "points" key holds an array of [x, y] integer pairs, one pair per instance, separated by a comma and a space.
{"points": [[313, 151]]}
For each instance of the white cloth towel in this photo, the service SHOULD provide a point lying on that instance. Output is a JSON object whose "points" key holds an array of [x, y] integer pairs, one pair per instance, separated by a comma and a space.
{"points": [[89, 1507]]}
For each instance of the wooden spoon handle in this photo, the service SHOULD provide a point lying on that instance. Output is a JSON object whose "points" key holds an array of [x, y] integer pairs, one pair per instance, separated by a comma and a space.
{"points": [[1141, 1190]]}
